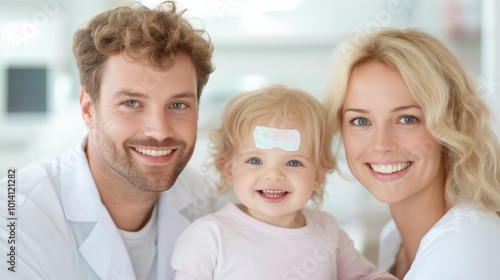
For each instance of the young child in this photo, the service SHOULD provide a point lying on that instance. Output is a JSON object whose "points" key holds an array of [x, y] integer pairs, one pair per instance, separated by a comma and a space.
{"points": [[274, 150]]}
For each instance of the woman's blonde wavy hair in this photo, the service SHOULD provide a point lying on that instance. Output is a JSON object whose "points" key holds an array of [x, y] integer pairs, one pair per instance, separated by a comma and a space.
{"points": [[279, 107], [151, 35], [456, 115]]}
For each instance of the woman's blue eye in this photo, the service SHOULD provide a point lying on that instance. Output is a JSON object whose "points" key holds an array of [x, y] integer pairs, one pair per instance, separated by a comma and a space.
{"points": [[293, 163], [408, 120], [359, 121], [255, 161]]}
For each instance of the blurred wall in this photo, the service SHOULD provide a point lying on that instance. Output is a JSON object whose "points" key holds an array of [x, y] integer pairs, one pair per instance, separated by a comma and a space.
{"points": [[257, 42]]}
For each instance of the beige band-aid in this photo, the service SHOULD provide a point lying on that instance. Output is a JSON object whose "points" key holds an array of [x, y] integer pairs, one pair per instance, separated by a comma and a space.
{"points": [[269, 138]]}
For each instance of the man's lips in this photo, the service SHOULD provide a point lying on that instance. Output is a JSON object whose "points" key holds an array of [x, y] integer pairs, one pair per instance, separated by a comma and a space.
{"points": [[153, 152]]}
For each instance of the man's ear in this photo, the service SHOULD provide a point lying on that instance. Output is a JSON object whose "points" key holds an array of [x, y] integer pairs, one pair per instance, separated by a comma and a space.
{"points": [[87, 108]]}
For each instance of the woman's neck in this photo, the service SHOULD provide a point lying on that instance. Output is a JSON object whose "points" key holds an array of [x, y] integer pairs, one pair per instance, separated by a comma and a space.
{"points": [[414, 217]]}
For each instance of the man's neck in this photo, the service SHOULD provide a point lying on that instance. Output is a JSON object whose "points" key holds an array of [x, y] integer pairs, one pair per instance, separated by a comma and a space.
{"points": [[130, 210], [129, 207]]}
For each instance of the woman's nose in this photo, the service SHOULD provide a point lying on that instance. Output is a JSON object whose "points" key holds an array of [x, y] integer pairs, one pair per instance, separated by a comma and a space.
{"points": [[384, 140]]}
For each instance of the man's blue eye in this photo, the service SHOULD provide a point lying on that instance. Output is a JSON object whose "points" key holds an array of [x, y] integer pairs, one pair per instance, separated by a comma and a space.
{"points": [[178, 105], [131, 103]]}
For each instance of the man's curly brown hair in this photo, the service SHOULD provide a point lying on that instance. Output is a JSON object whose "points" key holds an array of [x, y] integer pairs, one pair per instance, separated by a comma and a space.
{"points": [[144, 34]]}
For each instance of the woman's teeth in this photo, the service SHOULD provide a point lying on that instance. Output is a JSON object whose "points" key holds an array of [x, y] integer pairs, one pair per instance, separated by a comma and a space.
{"points": [[389, 168]]}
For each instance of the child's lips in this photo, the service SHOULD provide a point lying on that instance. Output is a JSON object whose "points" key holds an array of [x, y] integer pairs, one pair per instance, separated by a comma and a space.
{"points": [[273, 193]]}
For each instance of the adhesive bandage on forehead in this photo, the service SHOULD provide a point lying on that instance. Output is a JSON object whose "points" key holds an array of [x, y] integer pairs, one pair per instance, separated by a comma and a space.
{"points": [[269, 138]]}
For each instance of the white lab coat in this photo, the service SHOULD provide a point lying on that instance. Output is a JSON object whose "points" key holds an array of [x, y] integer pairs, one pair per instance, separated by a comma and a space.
{"points": [[63, 231]]}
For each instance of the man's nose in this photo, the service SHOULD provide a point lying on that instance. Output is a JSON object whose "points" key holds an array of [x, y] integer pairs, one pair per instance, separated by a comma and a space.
{"points": [[158, 125]]}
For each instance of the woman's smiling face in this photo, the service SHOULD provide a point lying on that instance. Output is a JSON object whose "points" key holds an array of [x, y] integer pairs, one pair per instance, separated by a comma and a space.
{"points": [[388, 147]]}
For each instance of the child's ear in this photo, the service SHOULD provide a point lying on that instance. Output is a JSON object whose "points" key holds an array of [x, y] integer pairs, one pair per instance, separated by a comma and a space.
{"points": [[226, 170], [320, 178]]}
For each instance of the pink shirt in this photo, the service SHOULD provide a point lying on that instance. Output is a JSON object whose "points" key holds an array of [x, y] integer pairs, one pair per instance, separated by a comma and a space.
{"points": [[230, 244]]}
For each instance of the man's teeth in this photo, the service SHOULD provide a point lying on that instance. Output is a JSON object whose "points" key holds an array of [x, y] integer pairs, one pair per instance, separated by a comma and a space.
{"points": [[390, 168], [273, 193], [153, 153]]}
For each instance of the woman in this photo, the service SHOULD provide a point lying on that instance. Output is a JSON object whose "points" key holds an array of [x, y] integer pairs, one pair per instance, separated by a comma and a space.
{"points": [[417, 135]]}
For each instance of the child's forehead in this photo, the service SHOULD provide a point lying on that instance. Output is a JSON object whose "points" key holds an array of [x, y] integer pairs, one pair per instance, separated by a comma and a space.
{"points": [[267, 138], [262, 137], [244, 131], [283, 124]]}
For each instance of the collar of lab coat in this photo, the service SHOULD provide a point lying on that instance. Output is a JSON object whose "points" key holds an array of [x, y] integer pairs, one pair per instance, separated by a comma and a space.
{"points": [[104, 248], [80, 198]]}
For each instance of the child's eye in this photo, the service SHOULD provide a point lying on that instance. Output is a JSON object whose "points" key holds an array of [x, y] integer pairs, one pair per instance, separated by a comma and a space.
{"points": [[294, 163], [131, 103], [359, 121], [408, 120], [254, 161]]}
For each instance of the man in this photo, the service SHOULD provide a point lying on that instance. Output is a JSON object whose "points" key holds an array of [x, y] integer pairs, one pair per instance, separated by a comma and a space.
{"points": [[100, 211]]}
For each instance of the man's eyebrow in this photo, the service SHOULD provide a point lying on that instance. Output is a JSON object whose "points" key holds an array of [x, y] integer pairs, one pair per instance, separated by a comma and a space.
{"points": [[132, 94], [184, 95]]}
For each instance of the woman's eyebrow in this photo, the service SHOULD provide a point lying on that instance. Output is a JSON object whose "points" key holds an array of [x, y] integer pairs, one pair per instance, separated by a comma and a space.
{"points": [[402, 108], [356, 110]]}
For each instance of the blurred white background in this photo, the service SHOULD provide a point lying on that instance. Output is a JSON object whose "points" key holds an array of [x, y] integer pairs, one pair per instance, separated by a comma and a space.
{"points": [[257, 42]]}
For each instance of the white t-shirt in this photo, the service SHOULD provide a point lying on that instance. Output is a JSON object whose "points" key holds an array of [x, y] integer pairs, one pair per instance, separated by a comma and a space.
{"points": [[141, 246], [463, 245], [232, 245]]}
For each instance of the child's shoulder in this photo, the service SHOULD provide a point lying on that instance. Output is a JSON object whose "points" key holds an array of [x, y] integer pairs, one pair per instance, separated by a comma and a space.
{"points": [[320, 218], [224, 216], [210, 226]]}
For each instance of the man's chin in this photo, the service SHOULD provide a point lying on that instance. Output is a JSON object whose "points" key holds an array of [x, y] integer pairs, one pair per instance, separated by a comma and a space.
{"points": [[158, 189], [160, 179], [152, 183]]}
